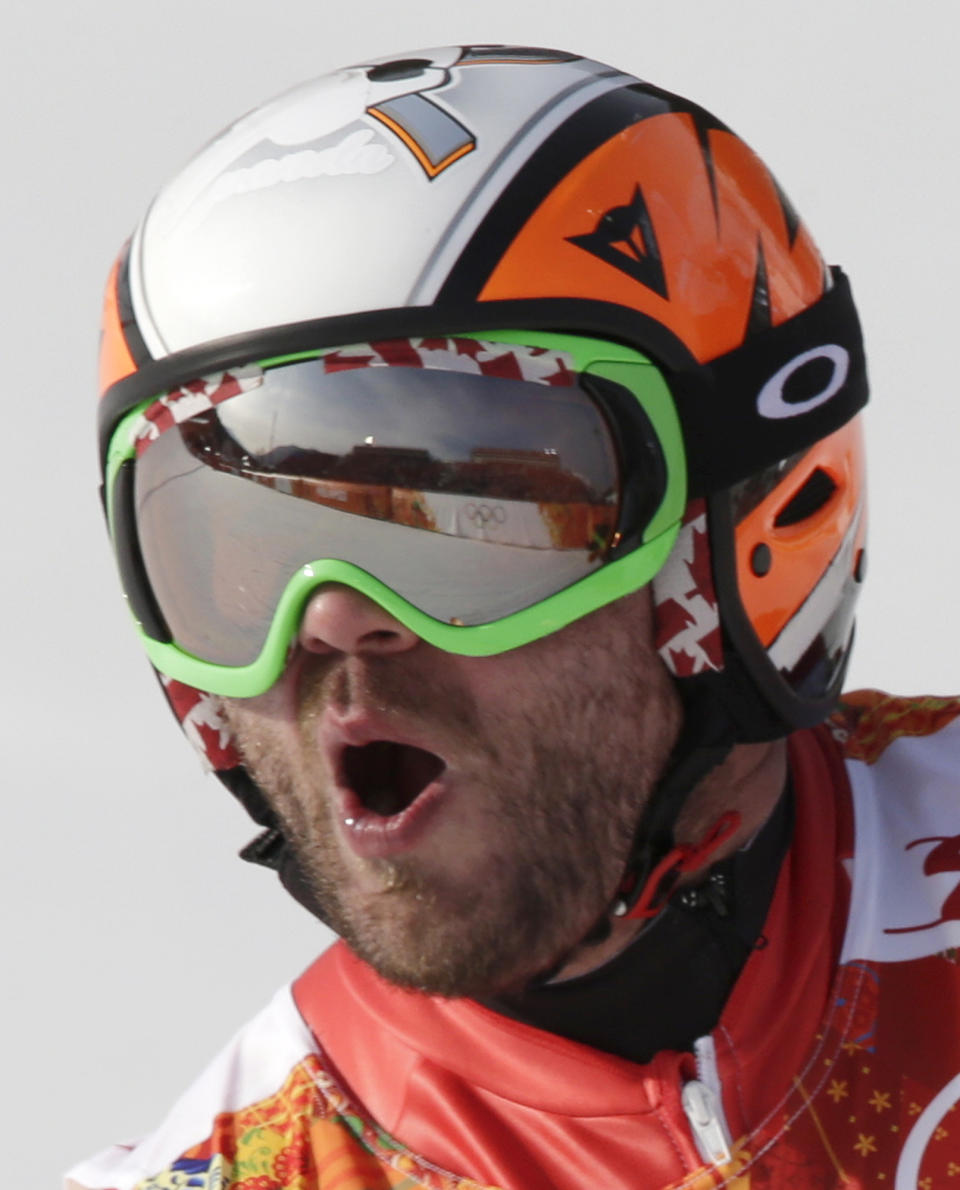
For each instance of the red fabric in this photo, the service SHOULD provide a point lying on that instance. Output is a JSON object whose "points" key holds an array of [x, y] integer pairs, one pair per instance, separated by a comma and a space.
{"points": [[476, 1093], [766, 1033], [512, 1106], [831, 1076]]}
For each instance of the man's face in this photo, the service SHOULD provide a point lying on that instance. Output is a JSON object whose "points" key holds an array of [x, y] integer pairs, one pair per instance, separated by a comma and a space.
{"points": [[463, 822]]}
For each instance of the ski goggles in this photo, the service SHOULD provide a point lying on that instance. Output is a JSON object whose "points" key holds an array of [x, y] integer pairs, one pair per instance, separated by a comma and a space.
{"points": [[484, 491]]}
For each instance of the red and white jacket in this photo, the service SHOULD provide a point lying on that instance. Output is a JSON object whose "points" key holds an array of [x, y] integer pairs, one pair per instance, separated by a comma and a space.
{"points": [[836, 1062]]}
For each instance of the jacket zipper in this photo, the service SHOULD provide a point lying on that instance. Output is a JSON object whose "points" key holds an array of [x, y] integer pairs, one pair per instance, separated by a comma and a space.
{"points": [[703, 1105]]}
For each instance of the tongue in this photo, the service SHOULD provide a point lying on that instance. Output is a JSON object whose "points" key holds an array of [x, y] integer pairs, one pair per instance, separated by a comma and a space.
{"points": [[388, 777]]}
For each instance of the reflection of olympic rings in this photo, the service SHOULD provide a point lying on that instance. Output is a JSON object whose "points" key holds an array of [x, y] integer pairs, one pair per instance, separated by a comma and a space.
{"points": [[483, 514]]}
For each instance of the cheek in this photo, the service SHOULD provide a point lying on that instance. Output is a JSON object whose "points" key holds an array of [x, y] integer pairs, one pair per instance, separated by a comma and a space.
{"points": [[260, 729]]}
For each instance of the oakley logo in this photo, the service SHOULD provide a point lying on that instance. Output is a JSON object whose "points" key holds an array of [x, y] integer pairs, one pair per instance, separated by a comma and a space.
{"points": [[483, 514], [771, 400]]}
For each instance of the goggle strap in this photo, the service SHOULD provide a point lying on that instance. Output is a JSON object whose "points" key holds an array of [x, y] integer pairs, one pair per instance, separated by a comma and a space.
{"points": [[744, 397], [129, 559]]}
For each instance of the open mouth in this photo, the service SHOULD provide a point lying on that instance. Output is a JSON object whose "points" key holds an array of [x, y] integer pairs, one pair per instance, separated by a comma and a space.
{"points": [[388, 777]]}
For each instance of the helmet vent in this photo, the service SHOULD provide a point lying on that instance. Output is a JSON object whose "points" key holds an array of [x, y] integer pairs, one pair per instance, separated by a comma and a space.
{"points": [[814, 494], [395, 72]]}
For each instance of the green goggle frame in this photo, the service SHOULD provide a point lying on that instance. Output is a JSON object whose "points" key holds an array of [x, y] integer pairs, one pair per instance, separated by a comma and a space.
{"points": [[625, 571]]}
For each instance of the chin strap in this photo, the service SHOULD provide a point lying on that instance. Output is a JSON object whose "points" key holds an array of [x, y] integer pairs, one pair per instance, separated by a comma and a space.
{"points": [[270, 848], [657, 862], [643, 898]]}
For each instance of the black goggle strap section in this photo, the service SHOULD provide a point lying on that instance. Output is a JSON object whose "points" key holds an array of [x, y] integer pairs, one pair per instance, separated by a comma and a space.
{"points": [[643, 469], [126, 541], [783, 390]]}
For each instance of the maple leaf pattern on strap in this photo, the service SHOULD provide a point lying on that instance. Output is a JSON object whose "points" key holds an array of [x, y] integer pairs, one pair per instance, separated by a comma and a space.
{"points": [[687, 614]]}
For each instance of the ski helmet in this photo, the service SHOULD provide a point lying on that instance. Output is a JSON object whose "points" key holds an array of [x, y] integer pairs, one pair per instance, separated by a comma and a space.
{"points": [[521, 200]]}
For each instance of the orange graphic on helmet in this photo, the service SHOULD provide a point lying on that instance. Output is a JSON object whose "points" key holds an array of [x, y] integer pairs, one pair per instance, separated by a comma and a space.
{"points": [[692, 239], [116, 362], [801, 547]]}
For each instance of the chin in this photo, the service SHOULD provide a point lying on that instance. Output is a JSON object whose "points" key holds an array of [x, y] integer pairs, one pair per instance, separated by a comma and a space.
{"points": [[454, 954]]}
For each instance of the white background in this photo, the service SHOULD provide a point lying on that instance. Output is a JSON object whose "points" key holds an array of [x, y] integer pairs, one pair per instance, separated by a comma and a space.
{"points": [[133, 941]]}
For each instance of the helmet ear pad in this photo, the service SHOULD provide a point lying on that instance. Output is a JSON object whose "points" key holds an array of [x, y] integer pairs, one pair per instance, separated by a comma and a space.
{"points": [[785, 551], [785, 543]]}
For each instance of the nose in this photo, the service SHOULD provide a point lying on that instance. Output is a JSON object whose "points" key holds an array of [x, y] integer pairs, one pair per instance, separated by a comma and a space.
{"points": [[338, 619]]}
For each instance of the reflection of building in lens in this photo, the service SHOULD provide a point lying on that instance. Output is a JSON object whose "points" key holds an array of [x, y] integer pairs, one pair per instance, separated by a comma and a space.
{"points": [[547, 457], [515, 474], [396, 466], [500, 472], [533, 500]]}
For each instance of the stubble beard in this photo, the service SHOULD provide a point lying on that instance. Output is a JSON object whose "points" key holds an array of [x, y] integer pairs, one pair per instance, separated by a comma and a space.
{"points": [[563, 779]]}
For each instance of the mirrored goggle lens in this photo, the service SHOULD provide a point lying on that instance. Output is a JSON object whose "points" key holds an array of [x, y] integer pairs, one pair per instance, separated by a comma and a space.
{"points": [[470, 495]]}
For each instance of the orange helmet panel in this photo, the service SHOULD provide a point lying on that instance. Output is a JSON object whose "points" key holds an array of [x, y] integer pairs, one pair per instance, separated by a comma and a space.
{"points": [[800, 552], [644, 221], [116, 362]]}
